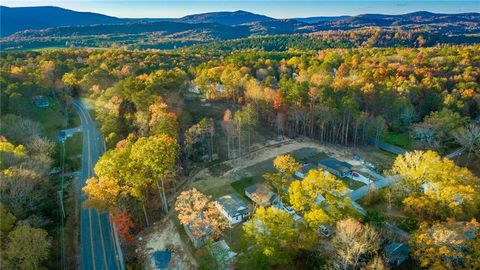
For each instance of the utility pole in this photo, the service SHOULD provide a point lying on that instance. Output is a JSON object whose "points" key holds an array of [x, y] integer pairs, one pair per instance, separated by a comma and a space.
{"points": [[62, 208]]}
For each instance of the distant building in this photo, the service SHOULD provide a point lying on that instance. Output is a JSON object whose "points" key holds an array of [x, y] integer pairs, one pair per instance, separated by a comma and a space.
{"points": [[335, 166], [41, 101], [223, 255], [261, 195], [396, 253], [233, 208], [304, 171]]}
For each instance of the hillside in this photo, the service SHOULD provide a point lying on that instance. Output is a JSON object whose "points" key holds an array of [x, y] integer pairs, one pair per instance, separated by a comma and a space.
{"points": [[225, 18], [23, 18]]}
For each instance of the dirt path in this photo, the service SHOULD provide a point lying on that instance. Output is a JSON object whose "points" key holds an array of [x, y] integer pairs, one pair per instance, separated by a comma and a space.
{"points": [[206, 179]]}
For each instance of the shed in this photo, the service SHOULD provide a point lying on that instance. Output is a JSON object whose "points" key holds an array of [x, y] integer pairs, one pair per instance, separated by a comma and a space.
{"points": [[223, 255]]}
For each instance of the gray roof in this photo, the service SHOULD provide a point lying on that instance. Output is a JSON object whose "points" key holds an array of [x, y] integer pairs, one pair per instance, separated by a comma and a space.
{"points": [[222, 253], [307, 167], [336, 164], [205, 231], [258, 187], [263, 195], [231, 203]]}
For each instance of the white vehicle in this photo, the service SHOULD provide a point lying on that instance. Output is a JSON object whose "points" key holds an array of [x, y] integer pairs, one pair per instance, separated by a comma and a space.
{"points": [[326, 230], [289, 210], [358, 177]]}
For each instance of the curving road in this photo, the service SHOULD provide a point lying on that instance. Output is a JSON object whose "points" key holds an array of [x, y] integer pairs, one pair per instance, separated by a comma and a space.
{"points": [[99, 245]]}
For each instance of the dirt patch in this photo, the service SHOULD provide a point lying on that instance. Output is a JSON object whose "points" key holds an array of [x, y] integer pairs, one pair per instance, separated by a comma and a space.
{"points": [[161, 236]]}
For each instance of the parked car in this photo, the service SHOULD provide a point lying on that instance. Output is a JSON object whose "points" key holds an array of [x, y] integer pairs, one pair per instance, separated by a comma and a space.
{"points": [[289, 210], [326, 230]]}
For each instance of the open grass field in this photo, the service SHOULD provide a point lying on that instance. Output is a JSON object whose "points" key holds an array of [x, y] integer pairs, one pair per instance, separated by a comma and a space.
{"points": [[73, 151]]}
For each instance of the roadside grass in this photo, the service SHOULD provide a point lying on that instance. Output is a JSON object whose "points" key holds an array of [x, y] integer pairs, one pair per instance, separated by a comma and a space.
{"points": [[51, 118], [72, 226], [73, 152]]}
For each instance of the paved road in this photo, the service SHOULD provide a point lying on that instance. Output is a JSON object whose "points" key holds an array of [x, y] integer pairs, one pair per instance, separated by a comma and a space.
{"points": [[380, 182], [99, 248]]}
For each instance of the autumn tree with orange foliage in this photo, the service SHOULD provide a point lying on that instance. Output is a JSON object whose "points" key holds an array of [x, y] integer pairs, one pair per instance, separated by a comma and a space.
{"points": [[200, 214], [447, 245]]}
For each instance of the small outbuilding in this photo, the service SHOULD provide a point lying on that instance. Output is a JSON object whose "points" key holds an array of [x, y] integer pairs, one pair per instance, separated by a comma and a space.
{"points": [[223, 255], [233, 208], [336, 167]]}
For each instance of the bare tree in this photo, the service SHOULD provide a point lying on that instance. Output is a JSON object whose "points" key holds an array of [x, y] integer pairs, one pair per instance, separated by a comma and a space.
{"points": [[354, 243], [469, 138]]}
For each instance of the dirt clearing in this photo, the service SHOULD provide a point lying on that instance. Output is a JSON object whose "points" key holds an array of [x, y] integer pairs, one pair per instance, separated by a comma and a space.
{"points": [[162, 236]]}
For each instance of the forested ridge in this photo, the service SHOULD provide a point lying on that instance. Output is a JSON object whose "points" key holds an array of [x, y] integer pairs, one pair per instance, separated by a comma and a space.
{"points": [[151, 102]]}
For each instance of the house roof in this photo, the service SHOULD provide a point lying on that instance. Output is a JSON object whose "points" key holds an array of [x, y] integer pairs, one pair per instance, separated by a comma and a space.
{"points": [[232, 204], [203, 231], [336, 164], [222, 252], [305, 169], [260, 194]]}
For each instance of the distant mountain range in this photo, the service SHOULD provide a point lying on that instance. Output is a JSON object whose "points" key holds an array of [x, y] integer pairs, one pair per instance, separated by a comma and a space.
{"points": [[24, 18], [53, 26], [33, 18]]}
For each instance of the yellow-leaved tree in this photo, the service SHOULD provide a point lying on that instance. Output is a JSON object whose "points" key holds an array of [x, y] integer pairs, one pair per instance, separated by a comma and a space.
{"points": [[286, 166], [436, 188], [319, 197], [447, 245]]}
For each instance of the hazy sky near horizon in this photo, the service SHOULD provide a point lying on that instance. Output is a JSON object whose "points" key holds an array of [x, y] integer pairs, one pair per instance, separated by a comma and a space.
{"points": [[274, 8]]}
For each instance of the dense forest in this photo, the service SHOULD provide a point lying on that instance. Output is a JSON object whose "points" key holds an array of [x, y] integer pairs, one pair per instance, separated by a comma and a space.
{"points": [[349, 96], [370, 37], [142, 102]]}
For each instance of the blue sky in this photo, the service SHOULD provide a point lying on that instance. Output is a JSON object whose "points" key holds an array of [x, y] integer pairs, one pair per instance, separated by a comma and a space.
{"points": [[274, 8]]}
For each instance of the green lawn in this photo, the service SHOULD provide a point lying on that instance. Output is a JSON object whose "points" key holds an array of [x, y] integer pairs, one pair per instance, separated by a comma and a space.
{"points": [[352, 184], [233, 237], [308, 155], [399, 139], [243, 183], [73, 151]]}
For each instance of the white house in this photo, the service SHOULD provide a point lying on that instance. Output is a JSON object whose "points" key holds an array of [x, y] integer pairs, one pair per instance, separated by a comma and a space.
{"points": [[233, 208]]}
